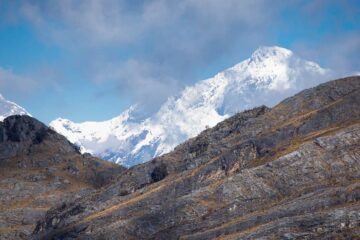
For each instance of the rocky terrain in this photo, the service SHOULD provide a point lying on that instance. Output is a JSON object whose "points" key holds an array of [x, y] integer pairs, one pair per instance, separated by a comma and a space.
{"points": [[287, 172], [40, 169]]}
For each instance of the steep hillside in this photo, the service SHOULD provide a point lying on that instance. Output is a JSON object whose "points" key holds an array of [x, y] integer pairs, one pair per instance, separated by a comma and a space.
{"points": [[287, 172], [267, 77], [40, 169]]}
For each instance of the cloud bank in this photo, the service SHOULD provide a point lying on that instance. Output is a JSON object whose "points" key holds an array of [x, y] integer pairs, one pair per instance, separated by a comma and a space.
{"points": [[151, 49]]}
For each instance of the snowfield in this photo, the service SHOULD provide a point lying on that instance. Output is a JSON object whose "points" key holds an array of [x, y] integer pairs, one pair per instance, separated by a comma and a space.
{"points": [[268, 76]]}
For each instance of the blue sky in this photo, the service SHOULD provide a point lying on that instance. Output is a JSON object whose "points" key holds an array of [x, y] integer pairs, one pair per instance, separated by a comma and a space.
{"points": [[90, 60]]}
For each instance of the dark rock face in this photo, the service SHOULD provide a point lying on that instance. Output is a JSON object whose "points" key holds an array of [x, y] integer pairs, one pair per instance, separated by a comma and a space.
{"points": [[22, 128], [40, 169], [290, 172], [21, 134], [55, 216], [159, 173]]}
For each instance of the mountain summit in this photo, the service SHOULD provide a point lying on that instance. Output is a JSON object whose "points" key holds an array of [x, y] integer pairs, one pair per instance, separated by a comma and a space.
{"points": [[268, 76], [8, 108]]}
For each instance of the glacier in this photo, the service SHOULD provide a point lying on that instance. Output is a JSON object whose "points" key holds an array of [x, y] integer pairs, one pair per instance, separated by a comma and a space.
{"points": [[267, 77]]}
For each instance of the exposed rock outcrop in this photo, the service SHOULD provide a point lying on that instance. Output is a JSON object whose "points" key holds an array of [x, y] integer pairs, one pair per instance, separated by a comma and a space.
{"points": [[40, 169], [290, 172]]}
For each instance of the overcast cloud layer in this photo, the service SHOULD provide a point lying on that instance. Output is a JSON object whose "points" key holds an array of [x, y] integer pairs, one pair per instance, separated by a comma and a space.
{"points": [[147, 50]]}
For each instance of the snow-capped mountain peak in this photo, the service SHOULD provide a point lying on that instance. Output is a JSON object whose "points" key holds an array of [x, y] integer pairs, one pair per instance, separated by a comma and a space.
{"points": [[265, 52], [269, 75], [8, 108]]}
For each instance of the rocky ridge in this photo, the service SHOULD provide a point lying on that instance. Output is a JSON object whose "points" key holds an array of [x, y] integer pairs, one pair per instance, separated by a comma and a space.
{"points": [[40, 169], [287, 172]]}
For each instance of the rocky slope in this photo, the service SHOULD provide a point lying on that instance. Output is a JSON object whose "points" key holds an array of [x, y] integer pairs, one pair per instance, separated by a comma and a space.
{"points": [[267, 77], [8, 108], [40, 169], [287, 172]]}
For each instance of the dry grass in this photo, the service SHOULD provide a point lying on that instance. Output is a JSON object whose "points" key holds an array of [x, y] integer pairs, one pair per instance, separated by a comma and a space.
{"points": [[16, 228], [132, 200]]}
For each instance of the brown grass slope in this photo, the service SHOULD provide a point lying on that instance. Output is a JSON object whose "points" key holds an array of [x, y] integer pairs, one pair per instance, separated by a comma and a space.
{"points": [[292, 171]]}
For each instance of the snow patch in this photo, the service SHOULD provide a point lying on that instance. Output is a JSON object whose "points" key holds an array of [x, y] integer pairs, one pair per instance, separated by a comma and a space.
{"points": [[8, 108]]}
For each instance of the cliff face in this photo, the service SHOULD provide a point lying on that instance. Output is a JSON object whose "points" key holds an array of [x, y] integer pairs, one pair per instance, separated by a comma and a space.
{"points": [[40, 169], [292, 171]]}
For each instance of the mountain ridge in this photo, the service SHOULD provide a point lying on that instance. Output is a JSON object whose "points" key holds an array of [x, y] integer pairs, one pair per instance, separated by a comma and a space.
{"points": [[290, 171], [270, 74]]}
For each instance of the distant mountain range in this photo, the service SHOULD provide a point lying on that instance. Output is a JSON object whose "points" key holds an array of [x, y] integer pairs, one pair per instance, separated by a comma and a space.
{"points": [[268, 76]]}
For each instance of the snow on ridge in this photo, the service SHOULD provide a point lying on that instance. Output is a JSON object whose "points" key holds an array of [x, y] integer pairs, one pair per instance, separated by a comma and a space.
{"points": [[8, 108], [268, 76]]}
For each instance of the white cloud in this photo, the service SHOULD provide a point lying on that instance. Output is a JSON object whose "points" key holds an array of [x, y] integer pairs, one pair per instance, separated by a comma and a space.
{"points": [[112, 21], [169, 41], [340, 53], [152, 48]]}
